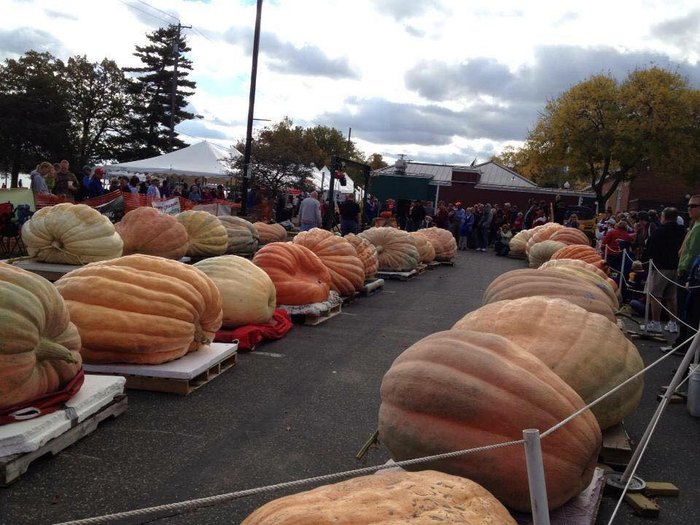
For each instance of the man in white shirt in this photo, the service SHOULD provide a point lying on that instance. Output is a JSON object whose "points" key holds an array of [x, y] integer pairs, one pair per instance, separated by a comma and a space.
{"points": [[310, 212]]}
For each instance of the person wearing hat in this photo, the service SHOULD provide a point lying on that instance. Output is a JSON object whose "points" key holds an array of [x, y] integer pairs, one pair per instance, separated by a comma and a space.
{"points": [[95, 187], [153, 188]]}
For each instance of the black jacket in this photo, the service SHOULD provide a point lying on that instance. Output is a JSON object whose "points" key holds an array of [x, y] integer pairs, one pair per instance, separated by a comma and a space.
{"points": [[664, 243]]}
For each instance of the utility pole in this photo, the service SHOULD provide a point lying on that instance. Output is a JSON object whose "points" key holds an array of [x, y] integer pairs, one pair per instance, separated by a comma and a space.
{"points": [[251, 110], [173, 90]]}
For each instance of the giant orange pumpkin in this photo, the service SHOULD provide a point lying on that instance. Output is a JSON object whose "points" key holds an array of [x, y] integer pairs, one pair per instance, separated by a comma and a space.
{"points": [[388, 498], [39, 346], [338, 255], [582, 253], [268, 233], [541, 233], [141, 309], [443, 242], [426, 252], [396, 249], [367, 253], [571, 236], [457, 390], [148, 231], [528, 282], [298, 274], [586, 350]]}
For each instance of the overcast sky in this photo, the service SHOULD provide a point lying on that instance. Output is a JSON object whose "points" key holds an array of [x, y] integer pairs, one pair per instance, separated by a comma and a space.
{"points": [[437, 80]]}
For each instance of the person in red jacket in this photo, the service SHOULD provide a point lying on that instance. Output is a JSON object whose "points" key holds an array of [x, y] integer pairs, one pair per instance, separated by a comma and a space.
{"points": [[614, 241]]}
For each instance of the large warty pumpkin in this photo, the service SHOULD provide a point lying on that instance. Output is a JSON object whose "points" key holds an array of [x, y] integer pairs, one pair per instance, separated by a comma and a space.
{"points": [[207, 235], [39, 345], [456, 390], [298, 274], [71, 234], [150, 232], [243, 237], [367, 253], [141, 309], [388, 498], [247, 292], [589, 352], [396, 249], [426, 252], [443, 242], [338, 255]]}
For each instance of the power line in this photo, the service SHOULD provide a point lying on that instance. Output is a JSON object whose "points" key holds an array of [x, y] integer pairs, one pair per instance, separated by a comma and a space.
{"points": [[131, 6], [200, 33], [159, 10]]}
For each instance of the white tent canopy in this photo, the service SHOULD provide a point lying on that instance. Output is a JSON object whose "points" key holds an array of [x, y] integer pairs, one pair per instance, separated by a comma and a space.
{"points": [[322, 177], [203, 159]]}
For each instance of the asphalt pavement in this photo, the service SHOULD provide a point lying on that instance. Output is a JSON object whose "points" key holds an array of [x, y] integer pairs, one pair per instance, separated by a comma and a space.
{"points": [[301, 407]]}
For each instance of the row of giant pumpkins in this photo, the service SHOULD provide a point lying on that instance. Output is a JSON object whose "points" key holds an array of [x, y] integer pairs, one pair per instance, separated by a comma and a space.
{"points": [[543, 345]]}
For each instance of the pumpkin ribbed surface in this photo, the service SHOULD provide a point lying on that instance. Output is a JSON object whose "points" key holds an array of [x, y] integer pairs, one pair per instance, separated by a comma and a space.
{"points": [[247, 292], [141, 309], [207, 236], [270, 232], [389, 498], [367, 253], [456, 390], [71, 234], [582, 253], [148, 231], [541, 233], [243, 238], [527, 283], [338, 255], [518, 242], [426, 252], [589, 352], [571, 236], [443, 242], [396, 249], [541, 252], [39, 345], [585, 271], [298, 274]]}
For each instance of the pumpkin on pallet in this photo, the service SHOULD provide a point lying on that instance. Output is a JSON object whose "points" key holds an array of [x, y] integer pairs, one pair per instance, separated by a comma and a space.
{"points": [[39, 345], [541, 252], [589, 352], [148, 231], [71, 234], [298, 274], [338, 255], [247, 292], [367, 253], [528, 283], [243, 237], [268, 233], [396, 249], [141, 309], [456, 390], [207, 236], [426, 252], [392, 497], [443, 242], [582, 253]]}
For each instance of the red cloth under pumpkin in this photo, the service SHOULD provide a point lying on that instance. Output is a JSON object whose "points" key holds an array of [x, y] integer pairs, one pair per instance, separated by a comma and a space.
{"points": [[250, 335], [44, 404]]}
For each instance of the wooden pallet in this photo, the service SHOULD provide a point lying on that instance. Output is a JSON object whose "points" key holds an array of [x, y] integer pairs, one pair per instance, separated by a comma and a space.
{"points": [[372, 287], [13, 466], [432, 265], [347, 299], [316, 313], [421, 268], [446, 263], [617, 447], [401, 276], [313, 319], [182, 376]]}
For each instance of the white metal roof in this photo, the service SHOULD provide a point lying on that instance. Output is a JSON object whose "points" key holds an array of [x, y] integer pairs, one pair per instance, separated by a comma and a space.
{"points": [[440, 174], [493, 174]]}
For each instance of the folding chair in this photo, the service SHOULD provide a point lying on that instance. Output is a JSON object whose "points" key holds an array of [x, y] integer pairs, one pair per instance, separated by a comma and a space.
{"points": [[10, 231]]}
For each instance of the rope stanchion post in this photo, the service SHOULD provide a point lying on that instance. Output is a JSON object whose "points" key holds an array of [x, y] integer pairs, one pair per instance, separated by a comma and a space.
{"points": [[535, 477], [621, 277], [647, 301]]}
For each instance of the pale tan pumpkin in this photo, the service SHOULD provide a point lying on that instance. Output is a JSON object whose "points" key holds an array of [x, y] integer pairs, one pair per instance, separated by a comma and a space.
{"points": [[571, 236], [247, 292], [146, 230], [589, 352], [71, 234], [586, 271], [426, 252], [141, 309], [338, 255], [388, 498], [367, 253], [39, 346], [243, 237], [207, 235], [518, 242], [270, 232], [542, 233], [443, 242], [396, 249], [541, 252]]}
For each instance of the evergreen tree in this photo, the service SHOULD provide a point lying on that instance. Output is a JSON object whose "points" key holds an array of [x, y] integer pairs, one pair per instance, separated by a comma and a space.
{"points": [[147, 133]]}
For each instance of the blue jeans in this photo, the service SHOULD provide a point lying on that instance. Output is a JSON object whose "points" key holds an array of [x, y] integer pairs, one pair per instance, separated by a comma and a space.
{"points": [[306, 227], [348, 226]]}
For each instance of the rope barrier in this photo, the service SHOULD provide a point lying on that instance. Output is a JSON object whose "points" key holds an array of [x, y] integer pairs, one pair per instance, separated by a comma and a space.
{"points": [[672, 281], [188, 505], [673, 316]]}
